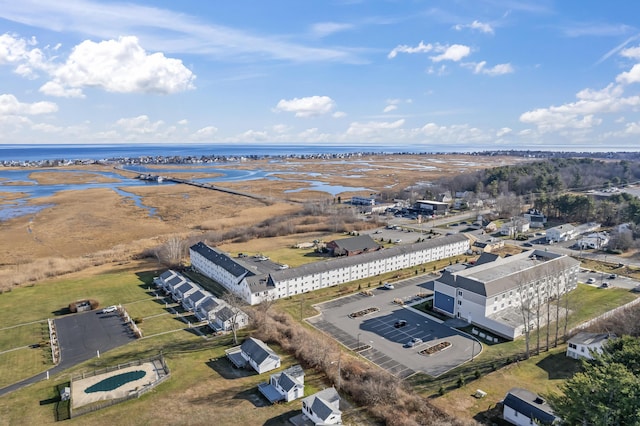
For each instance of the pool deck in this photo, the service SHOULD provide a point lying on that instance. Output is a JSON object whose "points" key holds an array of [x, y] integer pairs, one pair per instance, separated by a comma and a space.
{"points": [[80, 398]]}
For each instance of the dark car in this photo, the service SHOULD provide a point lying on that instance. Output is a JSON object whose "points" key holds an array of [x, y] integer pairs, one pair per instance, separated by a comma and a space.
{"points": [[400, 323]]}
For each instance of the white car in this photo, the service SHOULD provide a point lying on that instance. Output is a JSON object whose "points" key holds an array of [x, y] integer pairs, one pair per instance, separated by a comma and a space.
{"points": [[591, 280], [388, 286], [398, 241], [109, 309]]}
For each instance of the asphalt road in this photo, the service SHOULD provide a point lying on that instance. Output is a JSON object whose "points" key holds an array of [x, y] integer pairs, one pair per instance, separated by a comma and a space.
{"points": [[374, 336], [81, 337]]}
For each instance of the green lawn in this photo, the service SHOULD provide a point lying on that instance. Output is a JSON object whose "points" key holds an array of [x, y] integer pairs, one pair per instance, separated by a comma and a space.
{"points": [[23, 335], [161, 324], [145, 308], [22, 363]]}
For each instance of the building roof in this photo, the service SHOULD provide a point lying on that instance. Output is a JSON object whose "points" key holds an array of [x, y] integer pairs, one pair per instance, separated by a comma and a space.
{"points": [[262, 282], [360, 242], [257, 350], [584, 338], [175, 281], [221, 259], [432, 202], [225, 314], [506, 273], [529, 404], [167, 274], [287, 382], [324, 403], [198, 295], [186, 286], [209, 304], [567, 227]]}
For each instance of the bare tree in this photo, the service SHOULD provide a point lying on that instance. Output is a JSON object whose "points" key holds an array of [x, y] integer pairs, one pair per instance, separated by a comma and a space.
{"points": [[526, 308], [235, 304]]}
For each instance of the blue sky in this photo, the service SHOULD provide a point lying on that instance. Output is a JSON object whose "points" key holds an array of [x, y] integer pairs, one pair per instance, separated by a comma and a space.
{"points": [[490, 74]]}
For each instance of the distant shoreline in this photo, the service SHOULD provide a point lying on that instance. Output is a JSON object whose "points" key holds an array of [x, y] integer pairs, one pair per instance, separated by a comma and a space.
{"points": [[138, 158]]}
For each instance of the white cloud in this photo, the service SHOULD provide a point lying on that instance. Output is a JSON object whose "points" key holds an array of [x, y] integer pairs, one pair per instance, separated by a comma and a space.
{"points": [[47, 128], [140, 125], [420, 48], [18, 51], [183, 122], [503, 132], [53, 88], [476, 25], [390, 108], [339, 114], [323, 29], [280, 128], [631, 52], [307, 107], [500, 69], [204, 133], [121, 66], [631, 76], [163, 30], [454, 53], [581, 114], [10, 105]]}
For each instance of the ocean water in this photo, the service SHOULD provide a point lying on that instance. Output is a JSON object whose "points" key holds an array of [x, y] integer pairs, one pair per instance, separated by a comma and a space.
{"points": [[110, 151]]}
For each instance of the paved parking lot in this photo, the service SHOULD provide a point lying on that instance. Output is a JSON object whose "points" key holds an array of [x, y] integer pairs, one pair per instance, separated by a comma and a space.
{"points": [[375, 337]]}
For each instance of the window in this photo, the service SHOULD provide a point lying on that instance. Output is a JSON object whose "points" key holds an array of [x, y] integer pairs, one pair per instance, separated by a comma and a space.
{"points": [[459, 293], [459, 302]]}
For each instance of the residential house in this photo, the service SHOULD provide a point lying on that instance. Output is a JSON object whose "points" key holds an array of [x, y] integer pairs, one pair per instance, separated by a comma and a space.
{"points": [[559, 233], [514, 227], [284, 386], [521, 407], [323, 408], [536, 218], [192, 300], [353, 246], [490, 293], [584, 345], [225, 318], [207, 309], [255, 353], [183, 290], [172, 282], [597, 240]]}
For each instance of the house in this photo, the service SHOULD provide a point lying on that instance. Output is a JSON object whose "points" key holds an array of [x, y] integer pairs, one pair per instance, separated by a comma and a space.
{"points": [[432, 207], [255, 353], [254, 285], [514, 227], [353, 246], [535, 218], [521, 407], [160, 281], [559, 233], [323, 408], [491, 293], [172, 282], [192, 300], [207, 308], [284, 386], [225, 318], [584, 344], [183, 290], [597, 240]]}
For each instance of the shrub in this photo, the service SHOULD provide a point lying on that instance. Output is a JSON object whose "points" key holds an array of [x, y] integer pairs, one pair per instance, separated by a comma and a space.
{"points": [[460, 382], [442, 390], [138, 320], [477, 373]]}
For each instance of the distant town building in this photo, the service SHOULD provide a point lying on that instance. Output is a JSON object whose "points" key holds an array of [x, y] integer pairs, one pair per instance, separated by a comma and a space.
{"points": [[584, 345], [559, 233], [432, 207], [535, 218]]}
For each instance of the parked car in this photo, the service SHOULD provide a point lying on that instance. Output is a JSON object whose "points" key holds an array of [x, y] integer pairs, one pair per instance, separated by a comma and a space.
{"points": [[388, 286], [612, 276], [397, 241], [527, 244], [591, 281], [400, 323], [413, 342], [605, 285], [109, 309]]}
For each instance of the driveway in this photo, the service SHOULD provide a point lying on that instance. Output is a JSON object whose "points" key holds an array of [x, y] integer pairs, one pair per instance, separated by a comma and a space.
{"points": [[375, 337]]}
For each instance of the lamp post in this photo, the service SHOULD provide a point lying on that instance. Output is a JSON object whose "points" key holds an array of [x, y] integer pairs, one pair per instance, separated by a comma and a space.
{"points": [[358, 346]]}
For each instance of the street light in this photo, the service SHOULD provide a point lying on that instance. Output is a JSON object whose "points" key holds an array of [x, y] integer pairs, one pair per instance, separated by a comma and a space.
{"points": [[358, 346]]}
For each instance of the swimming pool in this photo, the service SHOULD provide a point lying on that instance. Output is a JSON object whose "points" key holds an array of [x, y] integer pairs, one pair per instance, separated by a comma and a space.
{"points": [[114, 382]]}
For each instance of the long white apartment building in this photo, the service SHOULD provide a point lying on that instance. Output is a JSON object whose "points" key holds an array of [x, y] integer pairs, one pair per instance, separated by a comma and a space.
{"points": [[492, 293], [256, 281]]}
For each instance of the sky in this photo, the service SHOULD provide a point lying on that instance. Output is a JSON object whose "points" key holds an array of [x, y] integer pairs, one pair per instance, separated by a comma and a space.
{"points": [[488, 74]]}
